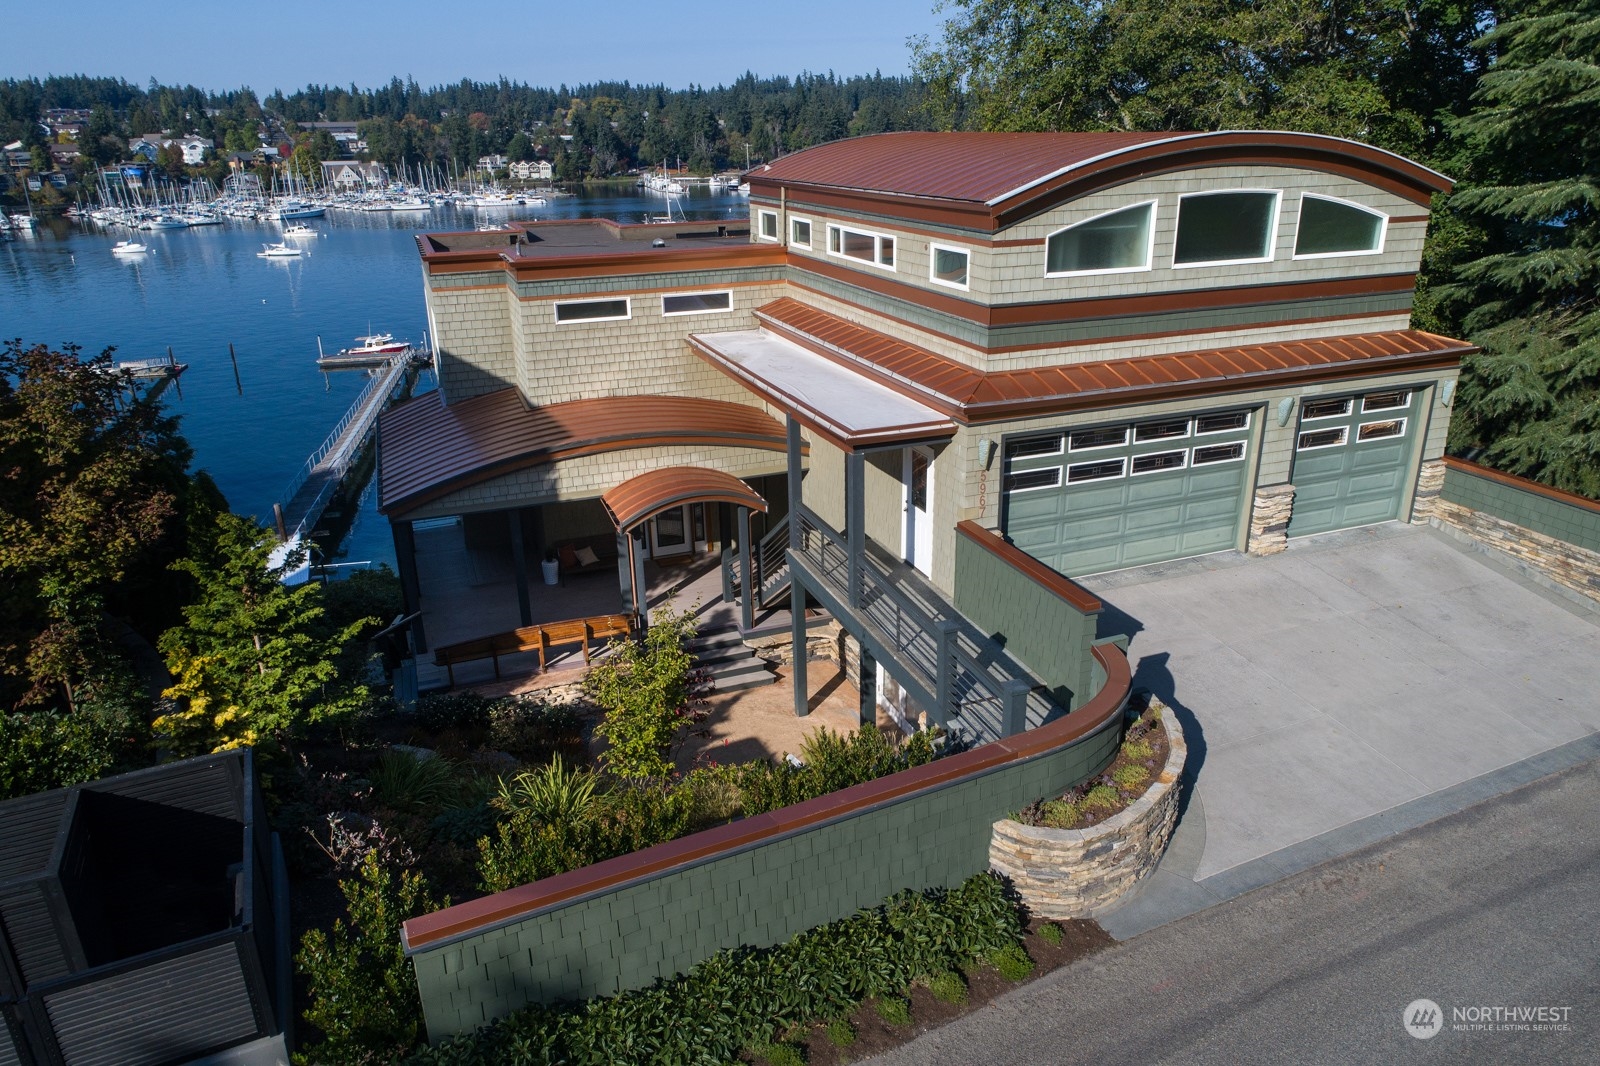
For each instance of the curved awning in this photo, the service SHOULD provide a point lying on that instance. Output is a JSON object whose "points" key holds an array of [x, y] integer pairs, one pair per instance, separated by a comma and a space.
{"points": [[428, 448], [641, 497]]}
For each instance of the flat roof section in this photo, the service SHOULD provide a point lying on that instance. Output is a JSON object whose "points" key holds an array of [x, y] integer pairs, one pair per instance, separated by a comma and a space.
{"points": [[852, 409], [528, 239]]}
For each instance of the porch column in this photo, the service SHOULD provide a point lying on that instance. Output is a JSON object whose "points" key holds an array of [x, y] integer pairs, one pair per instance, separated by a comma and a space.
{"points": [[405, 557], [796, 497], [519, 567], [641, 590], [747, 576], [797, 636], [625, 567], [868, 686], [855, 519]]}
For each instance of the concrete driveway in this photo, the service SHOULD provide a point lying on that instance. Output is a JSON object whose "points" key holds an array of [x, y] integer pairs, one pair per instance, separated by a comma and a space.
{"points": [[1360, 683]]}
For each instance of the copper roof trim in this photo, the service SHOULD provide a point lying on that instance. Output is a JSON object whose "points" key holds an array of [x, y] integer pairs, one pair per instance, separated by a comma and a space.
{"points": [[428, 448], [650, 493]]}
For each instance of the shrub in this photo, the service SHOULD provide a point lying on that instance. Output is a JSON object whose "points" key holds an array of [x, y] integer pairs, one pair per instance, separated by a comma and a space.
{"points": [[550, 794], [464, 826], [416, 786], [840, 1032], [1101, 797], [1012, 962], [949, 987], [42, 750], [781, 1055], [645, 689], [536, 732], [438, 711], [893, 1009], [1130, 776], [363, 994], [1050, 933], [832, 761]]}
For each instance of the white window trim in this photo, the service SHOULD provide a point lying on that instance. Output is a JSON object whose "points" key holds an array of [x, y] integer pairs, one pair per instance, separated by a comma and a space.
{"points": [[627, 302], [877, 246], [1181, 453], [1344, 438], [1404, 406], [699, 310], [1272, 229], [1122, 471], [1379, 422], [933, 255], [1149, 249], [1056, 470], [1123, 443], [1198, 432], [1349, 409], [1383, 229], [1194, 462], [762, 214], [1188, 428], [792, 241]]}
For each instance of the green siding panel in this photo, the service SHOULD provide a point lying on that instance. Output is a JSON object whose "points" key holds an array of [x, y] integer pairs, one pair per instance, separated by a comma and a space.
{"points": [[1528, 508]]}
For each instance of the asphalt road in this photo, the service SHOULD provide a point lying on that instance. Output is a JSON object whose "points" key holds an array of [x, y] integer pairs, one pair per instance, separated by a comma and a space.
{"points": [[1495, 906]]}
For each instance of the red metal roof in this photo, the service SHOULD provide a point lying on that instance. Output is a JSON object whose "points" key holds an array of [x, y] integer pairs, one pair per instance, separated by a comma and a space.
{"points": [[975, 395], [428, 448], [652, 492]]}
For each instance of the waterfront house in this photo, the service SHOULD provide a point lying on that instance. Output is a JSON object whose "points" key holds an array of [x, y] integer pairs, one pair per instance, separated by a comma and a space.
{"points": [[925, 352]]}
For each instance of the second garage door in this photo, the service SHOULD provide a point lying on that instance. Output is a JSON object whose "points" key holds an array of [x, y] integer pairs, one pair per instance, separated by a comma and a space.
{"points": [[1352, 459], [1085, 501]]}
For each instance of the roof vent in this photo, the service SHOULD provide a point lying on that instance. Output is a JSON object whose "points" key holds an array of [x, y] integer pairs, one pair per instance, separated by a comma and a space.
{"points": [[658, 243]]}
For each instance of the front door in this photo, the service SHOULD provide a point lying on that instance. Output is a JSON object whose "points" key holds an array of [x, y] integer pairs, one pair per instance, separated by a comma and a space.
{"points": [[918, 500], [670, 533]]}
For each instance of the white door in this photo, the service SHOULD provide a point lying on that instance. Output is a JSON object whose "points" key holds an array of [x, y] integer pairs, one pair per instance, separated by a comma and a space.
{"points": [[918, 502], [670, 533]]}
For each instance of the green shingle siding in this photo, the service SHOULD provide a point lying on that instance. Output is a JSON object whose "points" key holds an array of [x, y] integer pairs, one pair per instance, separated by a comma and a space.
{"points": [[1563, 521]]}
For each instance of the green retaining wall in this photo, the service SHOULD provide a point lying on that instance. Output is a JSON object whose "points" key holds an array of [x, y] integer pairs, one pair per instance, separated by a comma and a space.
{"points": [[1048, 635], [1529, 508], [760, 896]]}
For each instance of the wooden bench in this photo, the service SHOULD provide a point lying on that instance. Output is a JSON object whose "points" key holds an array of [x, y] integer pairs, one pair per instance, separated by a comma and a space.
{"points": [[539, 638]]}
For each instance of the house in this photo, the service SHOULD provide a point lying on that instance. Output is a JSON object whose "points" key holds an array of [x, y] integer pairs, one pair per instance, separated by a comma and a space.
{"points": [[146, 146], [926, 352], [345, 133], [194, 149], [532, 170], [491, 162], [351, 174]]}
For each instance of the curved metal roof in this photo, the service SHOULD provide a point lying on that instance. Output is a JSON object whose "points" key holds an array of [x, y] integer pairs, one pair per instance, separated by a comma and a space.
{"points": [[428, 448], [655, 491]]}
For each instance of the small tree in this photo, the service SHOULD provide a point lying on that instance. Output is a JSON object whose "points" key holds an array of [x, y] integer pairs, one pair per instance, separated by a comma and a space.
{"points": [[645, 687], [250, 661]]}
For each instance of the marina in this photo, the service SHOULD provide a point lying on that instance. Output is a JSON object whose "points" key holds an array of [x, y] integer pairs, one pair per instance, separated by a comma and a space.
{"points": [[200, 289]]}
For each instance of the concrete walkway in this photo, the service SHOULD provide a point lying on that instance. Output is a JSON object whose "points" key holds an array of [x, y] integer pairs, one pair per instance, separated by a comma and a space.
{"points": [[1359, 684]]}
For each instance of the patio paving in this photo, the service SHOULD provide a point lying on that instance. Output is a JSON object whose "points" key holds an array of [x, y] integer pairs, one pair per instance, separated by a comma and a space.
{"points": [[1344, 688]]}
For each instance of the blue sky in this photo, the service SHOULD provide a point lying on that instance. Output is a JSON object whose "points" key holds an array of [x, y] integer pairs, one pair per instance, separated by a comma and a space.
{"points": [[289, 43]]}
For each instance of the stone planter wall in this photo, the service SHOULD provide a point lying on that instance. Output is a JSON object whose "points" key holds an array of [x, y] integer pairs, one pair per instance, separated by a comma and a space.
{"points": [[1078, 873], [1565, 564]]}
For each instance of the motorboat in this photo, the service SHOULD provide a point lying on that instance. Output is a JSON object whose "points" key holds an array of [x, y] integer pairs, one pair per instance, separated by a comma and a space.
{"points": [[128, 248], [277, 250], [299, 229]]}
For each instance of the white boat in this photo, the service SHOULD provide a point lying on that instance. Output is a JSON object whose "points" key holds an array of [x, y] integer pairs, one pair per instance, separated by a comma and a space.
{"points": [[374, 349], [128, 248], [22, 222], [299, 229], [165, 221], [278, 250]]}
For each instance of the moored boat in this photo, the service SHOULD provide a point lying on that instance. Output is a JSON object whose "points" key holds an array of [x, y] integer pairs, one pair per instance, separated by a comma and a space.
{"points": [[277, 250], [128, 248]]}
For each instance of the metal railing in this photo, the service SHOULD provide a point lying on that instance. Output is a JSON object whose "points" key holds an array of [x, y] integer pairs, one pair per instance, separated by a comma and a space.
{"points": [[967, 680], [375, 393], [769, 559]]}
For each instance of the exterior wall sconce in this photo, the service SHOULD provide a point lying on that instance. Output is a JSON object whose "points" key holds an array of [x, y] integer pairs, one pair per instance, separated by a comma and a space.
{"points": [[1447, 392], [985, 452], [1285, 409]]}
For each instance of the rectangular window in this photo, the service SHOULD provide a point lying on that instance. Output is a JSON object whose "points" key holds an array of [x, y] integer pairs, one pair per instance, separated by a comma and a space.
{"points": [[1119, 240], [1218, 453], [1105, 437], [1386, 401], [1022, 449], [769, 225], [1169, 430], [1226, 423], [800, 232], [1395, 427], [1321, 438], [875, 248], [1313, 409], [1033, 479], [1156, 462], [949, 266], [593, 310], [1226, 227], [696, 303], [1103, 470]]}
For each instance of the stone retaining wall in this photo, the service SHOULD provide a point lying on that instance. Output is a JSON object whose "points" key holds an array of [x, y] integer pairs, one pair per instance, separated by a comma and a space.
{"points": [[1566, 564], [1078, 873], [1269, 520]]}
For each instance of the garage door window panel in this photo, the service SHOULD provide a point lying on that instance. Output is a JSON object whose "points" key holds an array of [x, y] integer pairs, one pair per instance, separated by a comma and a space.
{"points": [[1219, 453], [1394, 427], [1312, 410], [1101, 470], [1031, 480], [1315, 439], [1159, 462], [1385, 401], [1171, 429], [1231, 422], [1088, 440]]}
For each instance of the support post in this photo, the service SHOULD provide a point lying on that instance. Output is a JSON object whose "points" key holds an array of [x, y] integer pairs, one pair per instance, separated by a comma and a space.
{"points": [[868, 686], [944, 635], [727, 575], [641, 590], [519, 567], [796, 496], [1014, 706], [747, 576], [405, 558], [797, 634], [855, 519]]}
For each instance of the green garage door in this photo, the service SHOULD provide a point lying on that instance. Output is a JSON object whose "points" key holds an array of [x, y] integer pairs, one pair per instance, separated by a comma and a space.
{"points": [[1089, 500], [1352, 457]]}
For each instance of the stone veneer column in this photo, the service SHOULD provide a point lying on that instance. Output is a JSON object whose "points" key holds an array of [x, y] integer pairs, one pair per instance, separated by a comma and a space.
{"points": [[1269, 520], [1430, 481]]}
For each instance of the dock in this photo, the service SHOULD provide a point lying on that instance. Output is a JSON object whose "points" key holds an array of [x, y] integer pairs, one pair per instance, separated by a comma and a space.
{"points": [[365, 361], [308, 493]]}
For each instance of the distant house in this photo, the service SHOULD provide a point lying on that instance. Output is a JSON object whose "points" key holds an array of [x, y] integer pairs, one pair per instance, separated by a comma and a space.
{"points": [[532, 170], [491, 162], [64, 155], [351, 174], [343, 132], [146, 147], [195, 149]]}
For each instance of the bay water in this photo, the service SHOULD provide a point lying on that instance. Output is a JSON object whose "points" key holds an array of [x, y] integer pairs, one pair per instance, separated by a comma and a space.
{"points": [[198, 290]]}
